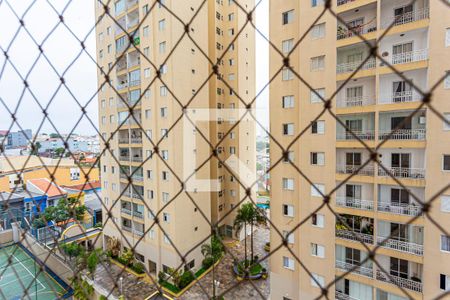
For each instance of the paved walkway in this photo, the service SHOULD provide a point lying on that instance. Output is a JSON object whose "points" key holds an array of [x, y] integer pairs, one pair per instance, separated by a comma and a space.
{"points": [[224, 274], [134, 288]]}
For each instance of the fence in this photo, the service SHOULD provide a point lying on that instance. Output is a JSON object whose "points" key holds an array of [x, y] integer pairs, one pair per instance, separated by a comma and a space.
{"points": [[209, 289]]}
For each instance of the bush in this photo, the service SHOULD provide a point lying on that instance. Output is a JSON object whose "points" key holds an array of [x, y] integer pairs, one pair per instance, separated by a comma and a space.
{"points": [[122, 260], [102, 297], [138, 267], [162, 276], [208, 262], [185, 279]]}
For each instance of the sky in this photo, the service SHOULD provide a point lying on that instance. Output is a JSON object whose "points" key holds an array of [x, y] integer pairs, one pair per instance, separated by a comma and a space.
{"points": [[63, 57]]}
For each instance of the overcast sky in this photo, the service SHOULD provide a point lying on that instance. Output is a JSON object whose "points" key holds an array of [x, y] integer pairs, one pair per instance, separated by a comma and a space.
{"points": [[61, 48]]}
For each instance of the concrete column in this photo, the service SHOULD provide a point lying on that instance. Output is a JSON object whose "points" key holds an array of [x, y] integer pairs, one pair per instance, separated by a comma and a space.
{"points": [[16, 231]]}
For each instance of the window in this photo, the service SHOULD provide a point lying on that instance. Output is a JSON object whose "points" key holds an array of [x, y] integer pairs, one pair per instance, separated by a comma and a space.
{"points": [[163, 111], [447, 124], [166, 217], [447, 37], [190, 265], [318, 127], [230, 17], [288, 184], [145, 31], [288, 129], [445, 243], [447, 81], [163, 91], [318, 220], [318, 63], [288, 45], [288, 210], [165, 175], [288, 102], [314, 96], [444, 282], [317, 189], [288, 236], [145, 9], [162, 47], [315, 3], [151, 234], [287, 74], [445, 203], [165, 197], [446, 162], [288, 263], [317, 158], [147, 73], [150, 194], [319, 280], [288, 17], [317, 250], [165, 154], [162, 25], [149, 174], [289, 158], [318, 31]]}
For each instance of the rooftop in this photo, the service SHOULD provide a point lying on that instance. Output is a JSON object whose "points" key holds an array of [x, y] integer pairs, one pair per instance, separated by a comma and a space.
{"points": [[12, 163], [91, 185], [49, 188], [6, 197]]}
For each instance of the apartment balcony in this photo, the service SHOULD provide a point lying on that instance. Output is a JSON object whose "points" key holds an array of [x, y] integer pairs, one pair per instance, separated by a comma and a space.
{"points": [[357, 101], [409, 57], [354, 236], [124, 176], [136, 82], [138, 214], [341, 295], [400, 209], [365, 271], [126, 228], [136, 140], [344, 33], [353, 66], [124, 158], [126, 211], [346, 169], [399, 172], [125, 103], [402, 246], [407, 17], [122, 85], [138, 232], [399, 97], [365, 135], [409, 284], [342, 2], [124, 140], [139, 178], [354, 203], [403, 134]]}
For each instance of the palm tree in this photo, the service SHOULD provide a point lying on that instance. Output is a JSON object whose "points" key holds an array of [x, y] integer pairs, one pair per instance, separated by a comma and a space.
{"points": [[243, 217], [257, 217]]}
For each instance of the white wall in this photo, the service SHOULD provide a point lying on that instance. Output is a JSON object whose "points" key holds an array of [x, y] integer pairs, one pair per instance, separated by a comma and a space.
{"points": [[384, 193], [418, 77], [417, 156]]}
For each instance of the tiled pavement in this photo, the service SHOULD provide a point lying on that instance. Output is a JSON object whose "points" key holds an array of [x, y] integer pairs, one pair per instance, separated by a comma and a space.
{"points": [[224, 274]]}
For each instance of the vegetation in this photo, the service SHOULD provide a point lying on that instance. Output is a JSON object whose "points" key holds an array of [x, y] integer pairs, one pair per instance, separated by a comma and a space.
{"points": [[247, 215], [65, 210], [81, 289], [253, 270], [127, 259], [212, 252], [113, 246]]}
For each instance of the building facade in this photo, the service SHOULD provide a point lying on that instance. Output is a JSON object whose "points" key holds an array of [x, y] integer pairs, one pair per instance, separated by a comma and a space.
{"points": [[371, 104], [165, 74], [11, 140]]}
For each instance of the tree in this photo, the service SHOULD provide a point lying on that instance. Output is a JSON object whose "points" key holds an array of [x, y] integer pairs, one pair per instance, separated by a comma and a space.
{"points": [[64, 211], [248, 215], [81, 289], [59, 152], [35, 148], [54, 135]]}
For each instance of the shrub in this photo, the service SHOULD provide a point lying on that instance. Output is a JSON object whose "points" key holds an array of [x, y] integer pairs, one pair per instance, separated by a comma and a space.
{"points": [[102, 297], [138, 267], [185, 279], [162, 276], [208, 262]]}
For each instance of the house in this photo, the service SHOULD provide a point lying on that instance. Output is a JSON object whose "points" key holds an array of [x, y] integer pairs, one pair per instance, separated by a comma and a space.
{"points": [[48, 188], [34, 202], [11, 206], [92, 198]]}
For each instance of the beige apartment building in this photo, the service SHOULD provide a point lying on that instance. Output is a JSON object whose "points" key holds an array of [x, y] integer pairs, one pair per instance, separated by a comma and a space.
{"points": [[372, 103], [184, 61]]}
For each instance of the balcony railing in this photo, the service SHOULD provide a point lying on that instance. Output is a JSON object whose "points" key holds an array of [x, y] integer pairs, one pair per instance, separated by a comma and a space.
{"points": [[121, 86], [399, 97], [413, 16], [344, 32], [135, 82], [124, 141], [368, 272], [402, 134], [138, 232], [402, 246], [341, 295], [136, 159], [354, 203], [138, 214], [356, 101], [136, 140], [354, 236], [365, 171], [124, 158], [126, 228], [124, 176], [132, 23], [342, 2], [400, 208], [400, 282], [414, 173], [138, 178], [408, 57], [351, 67], [366, 135], [137, 196], [126, 211]]}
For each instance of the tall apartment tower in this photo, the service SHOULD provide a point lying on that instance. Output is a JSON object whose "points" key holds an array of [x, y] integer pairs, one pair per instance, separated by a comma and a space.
{"points": [[372, 103], [184, 57]]}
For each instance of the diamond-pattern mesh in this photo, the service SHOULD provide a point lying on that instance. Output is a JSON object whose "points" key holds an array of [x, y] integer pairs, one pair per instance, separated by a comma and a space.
{"points": [[59, 75]]}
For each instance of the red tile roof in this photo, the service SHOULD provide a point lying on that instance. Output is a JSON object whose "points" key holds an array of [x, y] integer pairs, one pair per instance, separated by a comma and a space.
{"points": [[84, 186], [51, 189]]}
